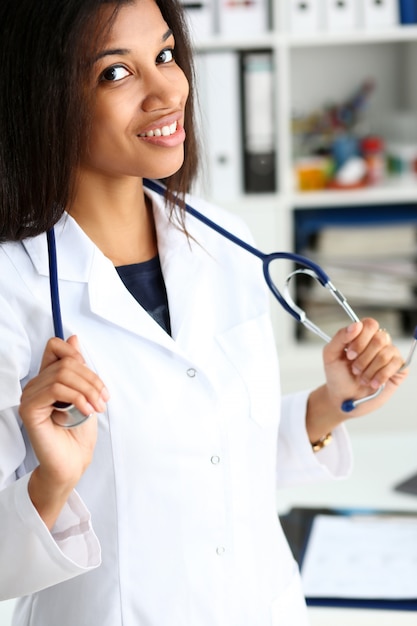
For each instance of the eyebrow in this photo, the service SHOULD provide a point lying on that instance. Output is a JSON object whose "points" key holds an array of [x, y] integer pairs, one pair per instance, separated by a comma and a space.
{"points": [[123, 51]]}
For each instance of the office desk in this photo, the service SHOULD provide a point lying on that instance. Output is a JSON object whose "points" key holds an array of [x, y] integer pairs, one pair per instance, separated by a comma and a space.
{"points": [[381, 461]]}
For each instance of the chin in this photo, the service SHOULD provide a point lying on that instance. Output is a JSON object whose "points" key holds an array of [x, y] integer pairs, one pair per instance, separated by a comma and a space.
{"points": [[165, 172]]}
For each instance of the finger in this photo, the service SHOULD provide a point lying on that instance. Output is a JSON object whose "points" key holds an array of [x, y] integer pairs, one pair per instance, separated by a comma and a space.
{"points": [[67, 356], [337, 347], [57, 348], [370, 346], [78, 386], [362, 340], [65, 380], [40, 405], [73, 341], [383, 367]]}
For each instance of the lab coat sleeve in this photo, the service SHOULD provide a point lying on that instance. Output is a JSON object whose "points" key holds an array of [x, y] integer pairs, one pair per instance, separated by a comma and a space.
{"points": [[31, 557], [296, 461]]}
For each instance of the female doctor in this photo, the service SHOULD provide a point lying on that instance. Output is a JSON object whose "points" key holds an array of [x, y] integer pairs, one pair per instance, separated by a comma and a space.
{"points": [[158, 510]]}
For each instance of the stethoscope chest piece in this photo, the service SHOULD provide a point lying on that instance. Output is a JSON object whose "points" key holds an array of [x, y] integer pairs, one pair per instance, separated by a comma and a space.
{"points": [[68, 416]]}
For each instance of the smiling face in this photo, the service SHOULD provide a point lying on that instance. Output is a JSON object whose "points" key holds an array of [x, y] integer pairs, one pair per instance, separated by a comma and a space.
{"points": [[139, 97]]}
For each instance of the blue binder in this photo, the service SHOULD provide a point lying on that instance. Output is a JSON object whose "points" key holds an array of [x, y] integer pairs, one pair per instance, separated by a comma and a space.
{"points": [[297, 525], [408, 11]]}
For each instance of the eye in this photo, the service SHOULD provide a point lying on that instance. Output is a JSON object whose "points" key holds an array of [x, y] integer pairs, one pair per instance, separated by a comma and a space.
{"points": [[165, 56], [114, 73]]}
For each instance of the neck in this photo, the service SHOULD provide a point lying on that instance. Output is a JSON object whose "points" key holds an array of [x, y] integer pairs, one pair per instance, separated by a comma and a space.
{"points": [[117, 217]]}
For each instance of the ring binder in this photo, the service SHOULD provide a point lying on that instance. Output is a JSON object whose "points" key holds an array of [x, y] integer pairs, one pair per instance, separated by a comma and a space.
{"points": [[258, 121]]}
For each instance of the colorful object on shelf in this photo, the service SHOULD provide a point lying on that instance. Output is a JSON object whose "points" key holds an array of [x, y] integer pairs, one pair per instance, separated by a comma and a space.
{"points": [[349, 113], [313, 173], [352, 174], [326, 140], [373, 151], [402, 159], [344, 147], [335, 118]]}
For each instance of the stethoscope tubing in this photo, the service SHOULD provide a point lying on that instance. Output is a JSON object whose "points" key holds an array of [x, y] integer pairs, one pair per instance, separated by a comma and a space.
{"points": [[53, 285], [70, 416], [266, 259], [311, 268]]}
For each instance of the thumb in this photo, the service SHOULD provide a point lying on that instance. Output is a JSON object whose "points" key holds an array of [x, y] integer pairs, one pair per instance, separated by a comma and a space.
{"points": [[339, 344], [73, 341], [57, 349]]}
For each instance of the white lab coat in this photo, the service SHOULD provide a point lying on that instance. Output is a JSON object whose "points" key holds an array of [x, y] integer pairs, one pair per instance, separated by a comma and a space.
{"points": [[182, 487]]}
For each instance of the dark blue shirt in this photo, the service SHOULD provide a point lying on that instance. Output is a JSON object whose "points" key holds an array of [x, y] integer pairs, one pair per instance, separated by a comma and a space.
{"points": [[146, 284]]}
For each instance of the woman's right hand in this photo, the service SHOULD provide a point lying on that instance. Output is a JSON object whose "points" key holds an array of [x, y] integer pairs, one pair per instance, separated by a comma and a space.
{"points": [[63, 453]]}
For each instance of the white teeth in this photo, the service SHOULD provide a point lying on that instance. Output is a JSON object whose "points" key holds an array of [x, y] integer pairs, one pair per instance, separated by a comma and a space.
{"points": [[165, 131]]}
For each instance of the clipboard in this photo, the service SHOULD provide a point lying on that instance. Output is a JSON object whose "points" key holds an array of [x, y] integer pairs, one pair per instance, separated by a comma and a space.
{"points": [[408, 485], [297, 526]]}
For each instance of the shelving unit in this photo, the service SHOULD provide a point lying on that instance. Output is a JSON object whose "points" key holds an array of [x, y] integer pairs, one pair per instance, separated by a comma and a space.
{"points": [[310, 69]]}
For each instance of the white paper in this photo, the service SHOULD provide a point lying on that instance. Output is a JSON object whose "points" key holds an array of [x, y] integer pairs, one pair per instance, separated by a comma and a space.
{"points": [[361, 557]]}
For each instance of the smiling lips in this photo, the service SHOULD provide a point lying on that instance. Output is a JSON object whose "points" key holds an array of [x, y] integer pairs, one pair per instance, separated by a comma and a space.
{"points": [[165, 131]]}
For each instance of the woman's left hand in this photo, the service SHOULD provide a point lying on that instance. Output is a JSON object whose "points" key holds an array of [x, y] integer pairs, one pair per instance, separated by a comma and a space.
{"points": [[357, 361]]}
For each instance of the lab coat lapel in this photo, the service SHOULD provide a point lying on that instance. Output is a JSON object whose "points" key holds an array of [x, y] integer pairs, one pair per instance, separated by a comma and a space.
{"points": [[110, 299], [187, 278], [189, 283], [80, 261]]}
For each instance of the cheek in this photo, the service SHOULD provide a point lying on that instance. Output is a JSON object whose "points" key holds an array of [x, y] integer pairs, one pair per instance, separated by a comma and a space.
{"points": [[186, 89], [183, 85], [105, 125]]}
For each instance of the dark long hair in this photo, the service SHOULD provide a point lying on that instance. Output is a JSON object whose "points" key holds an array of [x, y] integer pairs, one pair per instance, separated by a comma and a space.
{"points": [[46, 47]]}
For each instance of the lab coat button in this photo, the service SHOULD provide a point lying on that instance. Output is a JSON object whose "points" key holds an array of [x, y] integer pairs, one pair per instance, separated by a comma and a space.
{"points": [[220, 550], [191, 372], [215, 459]]}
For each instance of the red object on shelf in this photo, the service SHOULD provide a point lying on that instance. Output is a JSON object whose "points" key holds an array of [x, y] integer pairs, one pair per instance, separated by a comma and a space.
{"points": [[373, 151]]}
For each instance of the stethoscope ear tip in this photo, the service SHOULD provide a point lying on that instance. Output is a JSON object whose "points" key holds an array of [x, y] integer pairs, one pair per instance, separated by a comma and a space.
{"points": [[348, 406]]}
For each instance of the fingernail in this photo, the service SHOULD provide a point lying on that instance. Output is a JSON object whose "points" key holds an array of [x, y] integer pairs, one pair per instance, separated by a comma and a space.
{"points": [[89, 409], [375, 384], [101, 405], [356, 371], [351, 327], [351, 354], [105, 394]]}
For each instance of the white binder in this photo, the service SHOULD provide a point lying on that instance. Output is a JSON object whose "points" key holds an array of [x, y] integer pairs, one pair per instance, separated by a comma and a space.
{"points": [[243, 17], [200, 18], [341, 15], [305, 16], [221, 178], [380, 13]]}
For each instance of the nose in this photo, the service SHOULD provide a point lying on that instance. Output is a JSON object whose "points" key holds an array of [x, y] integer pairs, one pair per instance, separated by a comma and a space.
{"points": [[165, 89]]}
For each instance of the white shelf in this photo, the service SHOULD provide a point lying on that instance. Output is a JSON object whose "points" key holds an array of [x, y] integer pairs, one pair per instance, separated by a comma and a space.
{"points": [[390, 192], [322, 38], [310, 70], [269, 40], [278, 39]]}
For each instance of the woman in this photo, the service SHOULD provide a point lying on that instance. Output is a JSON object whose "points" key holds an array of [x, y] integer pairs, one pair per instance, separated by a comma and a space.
{"points": [[160, 508]]}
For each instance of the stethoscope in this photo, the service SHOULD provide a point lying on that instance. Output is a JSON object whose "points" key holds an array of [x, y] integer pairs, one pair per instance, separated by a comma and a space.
{"points": [[69, 416]]}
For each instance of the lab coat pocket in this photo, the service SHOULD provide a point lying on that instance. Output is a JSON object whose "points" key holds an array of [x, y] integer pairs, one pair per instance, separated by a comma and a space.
{"points": [[250, 350], [290, 608]]}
